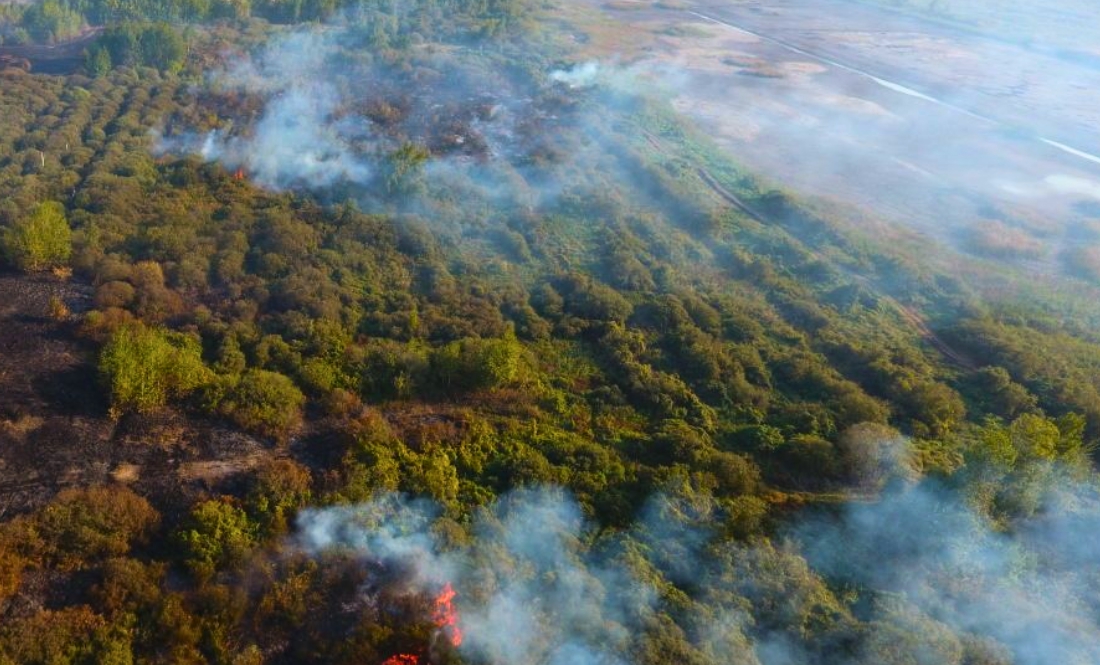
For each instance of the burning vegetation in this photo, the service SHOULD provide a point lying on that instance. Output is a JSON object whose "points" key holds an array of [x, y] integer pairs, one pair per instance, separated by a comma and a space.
{"points": [[327, 121], [446, 617], [445, 620]]}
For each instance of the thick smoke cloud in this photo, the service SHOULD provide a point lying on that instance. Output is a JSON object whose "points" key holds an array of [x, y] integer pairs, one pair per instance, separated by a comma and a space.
{"points": [[539, 585], [582, 75], [299, 140], [314, 130], [323, 114], [542, 598], [936, 130]]}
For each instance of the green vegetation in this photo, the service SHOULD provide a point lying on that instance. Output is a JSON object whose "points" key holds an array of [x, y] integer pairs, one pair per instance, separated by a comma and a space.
{"points": [[51, 21], [142, 367], [261, 401], [40, 240], [599, 317], [155, 45], [216, 534]]}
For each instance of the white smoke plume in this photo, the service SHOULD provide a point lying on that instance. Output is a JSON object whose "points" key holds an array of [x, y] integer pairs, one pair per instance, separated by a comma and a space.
{"points": [[1031, 586], [541, 597], [579, 76], [298, 141], [330, 115], [538, 585]]}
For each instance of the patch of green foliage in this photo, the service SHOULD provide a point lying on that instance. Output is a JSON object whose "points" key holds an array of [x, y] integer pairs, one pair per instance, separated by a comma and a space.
{"points": [[142, 367], [40, 240]]}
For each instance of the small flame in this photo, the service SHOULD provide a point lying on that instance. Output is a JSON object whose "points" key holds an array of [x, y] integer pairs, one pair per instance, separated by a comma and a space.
{"points": [[445, 616], [239, 174], [445, 619]]}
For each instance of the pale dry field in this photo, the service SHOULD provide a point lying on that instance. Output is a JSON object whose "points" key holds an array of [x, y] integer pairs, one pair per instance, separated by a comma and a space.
{"points": [[916, 122]]}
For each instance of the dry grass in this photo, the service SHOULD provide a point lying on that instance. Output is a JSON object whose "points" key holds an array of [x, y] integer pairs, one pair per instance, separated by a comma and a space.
{"points": [[995, 239], [126, 473], [20, 427]]}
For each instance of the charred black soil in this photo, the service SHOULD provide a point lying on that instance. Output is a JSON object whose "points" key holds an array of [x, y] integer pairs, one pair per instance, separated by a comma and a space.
{"points": [[54, 428], [58, 59]]}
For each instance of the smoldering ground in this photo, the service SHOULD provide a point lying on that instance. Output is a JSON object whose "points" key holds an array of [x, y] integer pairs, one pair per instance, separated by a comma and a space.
{"points": [[916, 576], [333, 115], [322, 110]]}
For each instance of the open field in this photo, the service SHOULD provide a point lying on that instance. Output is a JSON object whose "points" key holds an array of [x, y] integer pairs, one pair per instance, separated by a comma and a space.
{"points": [[941, 129], [1039, 24]]}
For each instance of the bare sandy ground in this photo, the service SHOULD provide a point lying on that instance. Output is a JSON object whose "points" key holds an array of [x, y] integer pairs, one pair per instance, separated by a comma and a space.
{"points": [[943, 130]]}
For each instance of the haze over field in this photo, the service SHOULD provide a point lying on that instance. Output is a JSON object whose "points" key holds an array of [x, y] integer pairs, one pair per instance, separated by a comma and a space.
{"points": [[989, 144]]}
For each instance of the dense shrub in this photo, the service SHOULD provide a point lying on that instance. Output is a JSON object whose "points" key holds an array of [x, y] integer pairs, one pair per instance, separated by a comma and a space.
{"points": [[261, 401], [142, 367], [39, 240]]}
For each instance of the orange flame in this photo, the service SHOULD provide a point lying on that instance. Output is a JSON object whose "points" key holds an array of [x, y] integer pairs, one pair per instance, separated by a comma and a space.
{"points": [[239, 174], [445, 619], [445, 616]]}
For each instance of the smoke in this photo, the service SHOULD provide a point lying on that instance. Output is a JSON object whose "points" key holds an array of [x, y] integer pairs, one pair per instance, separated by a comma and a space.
{"points": [[389, 530], [293, 144], [931, 577], [299, 140], [529, 591], [318, 109], [331, 115], [1031, 587], [905, 118], [578, 76]]}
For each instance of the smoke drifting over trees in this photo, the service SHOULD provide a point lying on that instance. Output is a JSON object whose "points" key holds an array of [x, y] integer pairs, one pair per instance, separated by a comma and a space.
{"points": [[315, 110], [943, 584]]}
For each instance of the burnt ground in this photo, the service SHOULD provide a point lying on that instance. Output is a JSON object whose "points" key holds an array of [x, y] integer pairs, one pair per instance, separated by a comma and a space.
{"points": [[54, 431], [58, 59]]}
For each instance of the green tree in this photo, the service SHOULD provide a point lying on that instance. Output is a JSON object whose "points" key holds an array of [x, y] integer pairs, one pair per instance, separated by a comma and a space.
{"points": [[145, 366], [217, 534], [477, 364], [162, 48], [156, 45], [40, 240], [262, 401], [98, 61], [50, 21], [403, 169]]}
